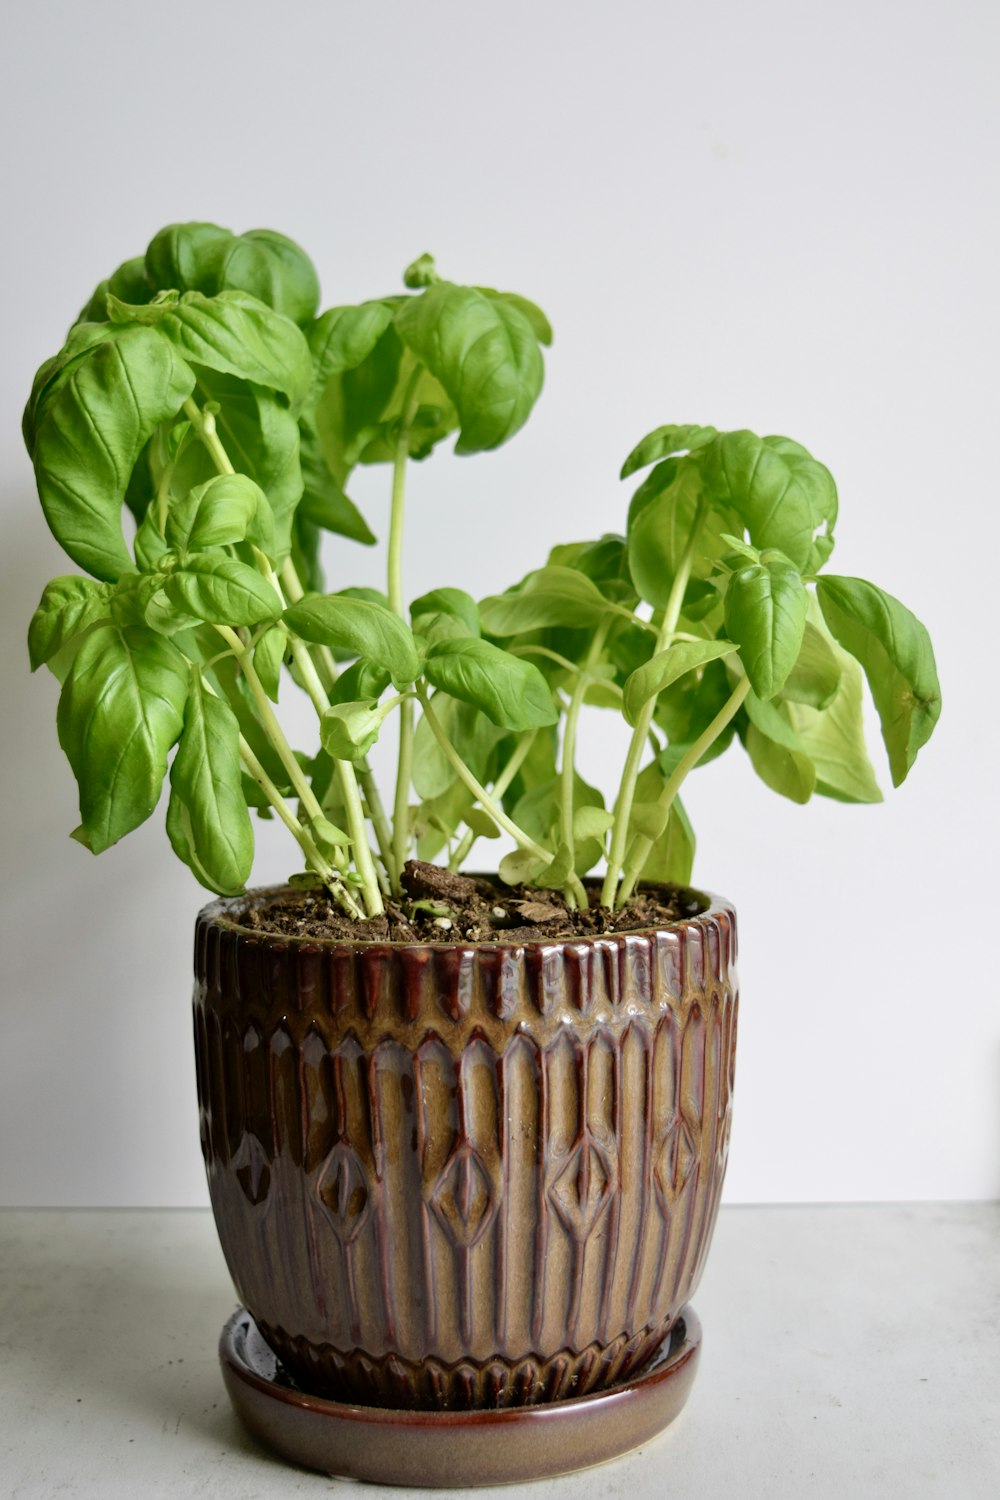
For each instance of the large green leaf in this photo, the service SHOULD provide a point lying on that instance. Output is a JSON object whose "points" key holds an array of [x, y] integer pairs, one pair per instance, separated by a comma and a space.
{"points": [[120, 710], [209, 259], [776, 752], [666, 667], [261, 439], [661, 517], [91, 430], [509, 690], [766, 605], [815, 677], [484, 352], [550, 596], [343, 337], [219, 512], [780, 492], [235, 334], [362, 628], [896, 653], [207, 819], [666, 442], [468, 730], [129, 283], [69, 606], [834, 739], [221, 591], [324, 502]]}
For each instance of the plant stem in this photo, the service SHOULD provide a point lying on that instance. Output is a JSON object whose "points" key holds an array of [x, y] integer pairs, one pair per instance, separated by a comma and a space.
{"points": [[501, 784], [345, 772], [483, 797], [270, 724], [404, 768], [641, 845], [568, 768], [327, 668], [626, 794], [322, 867], [203, 423]]}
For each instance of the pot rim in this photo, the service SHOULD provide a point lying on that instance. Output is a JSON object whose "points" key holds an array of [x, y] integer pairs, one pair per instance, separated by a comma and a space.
{"points": [[219, 913]]}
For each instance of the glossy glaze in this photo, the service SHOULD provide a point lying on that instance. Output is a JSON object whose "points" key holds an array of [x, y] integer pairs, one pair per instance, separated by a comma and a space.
{"points": [[455, 1449], [462, 1176]]}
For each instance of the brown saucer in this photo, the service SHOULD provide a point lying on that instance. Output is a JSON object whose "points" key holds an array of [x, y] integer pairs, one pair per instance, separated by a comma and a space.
{"points": [[453, 1449]]}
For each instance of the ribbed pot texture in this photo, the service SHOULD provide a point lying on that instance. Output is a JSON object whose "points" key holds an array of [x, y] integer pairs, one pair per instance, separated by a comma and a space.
{"points": [[480, 1175]]}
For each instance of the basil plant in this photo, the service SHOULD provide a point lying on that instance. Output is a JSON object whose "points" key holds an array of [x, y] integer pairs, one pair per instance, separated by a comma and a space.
{"points": [[194, 440]]}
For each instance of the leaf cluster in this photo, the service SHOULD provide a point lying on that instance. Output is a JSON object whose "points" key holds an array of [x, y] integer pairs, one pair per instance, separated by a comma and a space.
{"points": [[193, 441]]}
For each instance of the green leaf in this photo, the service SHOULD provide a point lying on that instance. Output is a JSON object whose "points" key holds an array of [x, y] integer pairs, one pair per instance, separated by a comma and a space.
{"points": [[481, 824], [766, 605], [509, 690], [235, 334], [349, 730], [551, 596], [898, 659], [90, 432], [540, 325], [216, 588], [361, 680], [468, 731], [686, 709], [208, 823], [324, 502], [69, 605], [120, 710], [661, 517], [209, 259], [666, 442], [485, 354], [343, 337], [217, 513], [671, 859], [649, 680], [591, 822], [521, 866], [361, 627], [421, 272], [149, 544], [834, 739], [776, 752], [456, 604], [129, 283], [815, 677], [781, 493], [268, 657]]}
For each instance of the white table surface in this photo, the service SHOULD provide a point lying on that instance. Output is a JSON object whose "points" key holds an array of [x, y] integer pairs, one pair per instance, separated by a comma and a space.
{"points": [[849, 1352]]}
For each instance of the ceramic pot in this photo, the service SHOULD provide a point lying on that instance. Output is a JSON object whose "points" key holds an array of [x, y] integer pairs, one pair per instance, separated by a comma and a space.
{"points": [[465, 1175]]}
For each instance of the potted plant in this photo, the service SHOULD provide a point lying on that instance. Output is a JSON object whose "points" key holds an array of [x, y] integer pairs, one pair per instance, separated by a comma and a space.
{"points": [[465, 1135]]}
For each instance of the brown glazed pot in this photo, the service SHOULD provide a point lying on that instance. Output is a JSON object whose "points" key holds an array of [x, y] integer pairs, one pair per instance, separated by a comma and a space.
{"points": [[465, 1175]]}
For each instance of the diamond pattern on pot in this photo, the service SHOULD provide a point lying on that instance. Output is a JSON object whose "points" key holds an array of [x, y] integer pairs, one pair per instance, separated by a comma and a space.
{"points": [[253, 1171], [675, 1161], [584, 1186], [464, 1197], [345, 1191]]}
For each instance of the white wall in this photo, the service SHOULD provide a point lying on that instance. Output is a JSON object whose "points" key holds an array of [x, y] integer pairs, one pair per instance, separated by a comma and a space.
{"points": [[775, 215]]}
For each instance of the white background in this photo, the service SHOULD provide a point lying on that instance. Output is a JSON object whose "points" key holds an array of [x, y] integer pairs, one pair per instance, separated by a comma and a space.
{"points": [[774, 215]]}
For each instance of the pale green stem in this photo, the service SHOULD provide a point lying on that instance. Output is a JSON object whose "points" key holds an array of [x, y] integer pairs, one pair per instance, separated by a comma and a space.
{"points": [[203, 423], [270, 724], [327, 667], [568, 768], [485, 800], [345, 771], [404, 768], [501, 784], [641, 845], [313, 856], [626, 794]]}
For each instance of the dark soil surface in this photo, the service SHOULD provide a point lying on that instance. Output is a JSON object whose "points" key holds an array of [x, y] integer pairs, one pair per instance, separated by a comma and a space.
{"points": [[444, 908]]}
